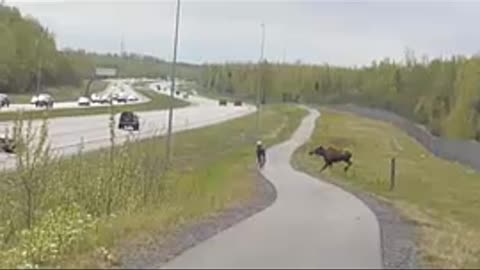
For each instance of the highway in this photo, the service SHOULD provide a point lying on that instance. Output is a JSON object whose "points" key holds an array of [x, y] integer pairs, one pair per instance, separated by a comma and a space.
{"points": [[66, 133], [73, 104]]}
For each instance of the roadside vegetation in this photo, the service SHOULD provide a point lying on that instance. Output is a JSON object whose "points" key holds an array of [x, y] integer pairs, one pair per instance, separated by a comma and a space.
{"points": [[74, 211], [440, 197], [441, 94]]}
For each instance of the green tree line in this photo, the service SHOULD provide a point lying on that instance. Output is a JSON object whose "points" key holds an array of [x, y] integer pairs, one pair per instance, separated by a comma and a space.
{"points": [[28, 51], [443, 94]]}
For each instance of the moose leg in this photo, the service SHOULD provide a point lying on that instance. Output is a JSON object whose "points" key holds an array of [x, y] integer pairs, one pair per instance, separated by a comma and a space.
{"points": [[349, 163], [325, 166]]}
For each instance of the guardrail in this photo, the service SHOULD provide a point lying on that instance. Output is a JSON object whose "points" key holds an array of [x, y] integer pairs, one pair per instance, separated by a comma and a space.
{"points": [[462, 151]]}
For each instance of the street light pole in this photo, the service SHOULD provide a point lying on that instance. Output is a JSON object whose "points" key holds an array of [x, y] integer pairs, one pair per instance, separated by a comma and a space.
{"points": [[172, 88], [39, 65], [260, 83]]}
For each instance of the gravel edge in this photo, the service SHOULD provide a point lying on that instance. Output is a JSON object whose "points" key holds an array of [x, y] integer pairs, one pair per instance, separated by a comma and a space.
{"points": [[397, 233], [158, 252]]}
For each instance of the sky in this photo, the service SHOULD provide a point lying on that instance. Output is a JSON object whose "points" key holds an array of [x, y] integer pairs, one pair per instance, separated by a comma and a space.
{"points": [[342, 33]]}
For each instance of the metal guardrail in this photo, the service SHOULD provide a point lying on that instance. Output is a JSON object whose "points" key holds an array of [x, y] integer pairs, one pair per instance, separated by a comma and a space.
{"points": [[462, 151]]}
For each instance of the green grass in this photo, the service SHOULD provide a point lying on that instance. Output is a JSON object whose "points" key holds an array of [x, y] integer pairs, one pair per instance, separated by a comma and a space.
{"points": [[157, 102], [62, 93], [130, 195], [440, 196]]}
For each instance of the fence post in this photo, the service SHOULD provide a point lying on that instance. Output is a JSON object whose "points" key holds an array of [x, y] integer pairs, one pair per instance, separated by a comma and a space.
{"points": [[392, 174]]}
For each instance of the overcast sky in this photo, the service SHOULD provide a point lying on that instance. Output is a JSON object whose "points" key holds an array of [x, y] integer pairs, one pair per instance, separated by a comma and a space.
{"points": [[337, 32]]}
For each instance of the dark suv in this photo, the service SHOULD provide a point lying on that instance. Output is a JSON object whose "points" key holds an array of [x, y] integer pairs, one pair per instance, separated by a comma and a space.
{"points": [[7, 145], [4, 100], [129, 119]]}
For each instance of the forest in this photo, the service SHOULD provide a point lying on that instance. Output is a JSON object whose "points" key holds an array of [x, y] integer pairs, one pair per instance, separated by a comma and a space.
{"points": [[28, 51], [443, 94]]}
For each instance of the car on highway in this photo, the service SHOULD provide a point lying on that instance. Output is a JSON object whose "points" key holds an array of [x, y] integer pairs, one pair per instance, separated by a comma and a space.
{"points": [[114, 96], [83, 101], [7, 144], [33, 100], [132, 98], [129, 119], [237, 103], [4, 100], [43, 100], [122, 97], [95, 98], [105, 99], [222, 102]]}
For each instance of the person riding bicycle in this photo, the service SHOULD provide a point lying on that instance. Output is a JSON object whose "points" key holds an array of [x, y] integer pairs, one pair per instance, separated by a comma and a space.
{"points": [[261, 156]]}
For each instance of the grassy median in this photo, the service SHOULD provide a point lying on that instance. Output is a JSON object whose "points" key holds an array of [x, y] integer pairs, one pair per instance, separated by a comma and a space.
{"points": [[93, 202], [441, 197]]}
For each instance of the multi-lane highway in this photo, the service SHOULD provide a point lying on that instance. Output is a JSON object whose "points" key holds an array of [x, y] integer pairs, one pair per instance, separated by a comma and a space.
{"points": [[65, 134], [113, 86]]}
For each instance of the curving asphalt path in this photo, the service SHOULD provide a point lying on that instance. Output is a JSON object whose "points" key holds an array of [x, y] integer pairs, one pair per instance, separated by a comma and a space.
{"points": [[66, 133], [312, 224]]}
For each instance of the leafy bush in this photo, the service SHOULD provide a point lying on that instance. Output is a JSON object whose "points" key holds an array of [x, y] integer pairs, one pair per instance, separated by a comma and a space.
{"points": [[58, 232]]}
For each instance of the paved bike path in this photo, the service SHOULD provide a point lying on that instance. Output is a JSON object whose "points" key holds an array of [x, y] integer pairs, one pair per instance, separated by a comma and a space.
{"points": [[312, 224]]}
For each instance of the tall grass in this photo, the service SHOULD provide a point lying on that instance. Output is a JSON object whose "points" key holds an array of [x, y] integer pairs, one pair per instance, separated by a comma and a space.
{"points": [[51, 208]]}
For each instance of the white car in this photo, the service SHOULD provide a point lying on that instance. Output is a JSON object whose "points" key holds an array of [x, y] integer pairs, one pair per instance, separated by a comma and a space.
{"points": [[122, 97], [34, 100], [132, 98], [43, 100], [106, 99], [4, 100], [95, 98], [83, 101]]}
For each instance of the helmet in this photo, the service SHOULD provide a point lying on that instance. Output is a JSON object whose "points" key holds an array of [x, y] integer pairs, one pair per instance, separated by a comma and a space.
{"points": [[259, 142]]}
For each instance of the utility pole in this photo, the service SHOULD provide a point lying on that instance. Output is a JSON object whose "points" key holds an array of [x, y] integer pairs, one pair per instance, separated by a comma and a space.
{"points": [[123, 51], [123, 55], [260, 81], [172, 88], [39, 76], [39, 66]]}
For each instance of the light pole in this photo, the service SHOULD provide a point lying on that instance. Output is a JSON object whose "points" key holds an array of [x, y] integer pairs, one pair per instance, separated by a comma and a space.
{"points": [[39, 65], [260, 81], [172, 88]]}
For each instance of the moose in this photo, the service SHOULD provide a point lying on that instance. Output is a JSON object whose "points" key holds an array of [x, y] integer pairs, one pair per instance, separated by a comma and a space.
{"points": [[331, 155]]}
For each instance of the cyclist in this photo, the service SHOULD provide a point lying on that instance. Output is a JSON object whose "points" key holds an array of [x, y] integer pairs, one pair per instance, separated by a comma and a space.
{"points": [[261, 155]]}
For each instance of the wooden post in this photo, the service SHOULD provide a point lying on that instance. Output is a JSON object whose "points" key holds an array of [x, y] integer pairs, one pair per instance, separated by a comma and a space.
{"points": [[392, 174]]}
